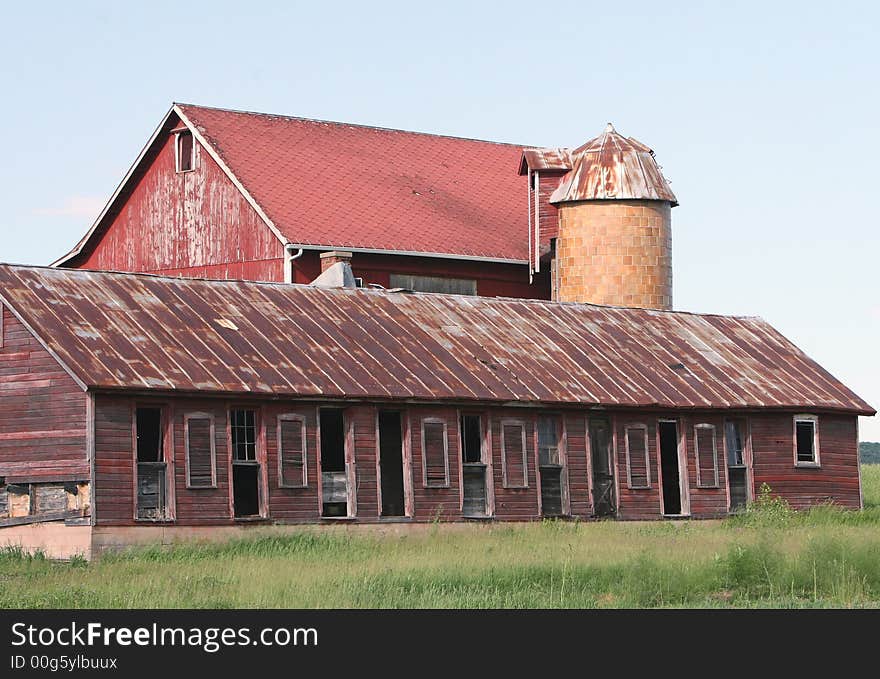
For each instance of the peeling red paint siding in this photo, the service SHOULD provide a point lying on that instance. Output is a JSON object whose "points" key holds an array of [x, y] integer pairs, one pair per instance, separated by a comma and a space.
{"points": [[42, 410], [187, 223]]}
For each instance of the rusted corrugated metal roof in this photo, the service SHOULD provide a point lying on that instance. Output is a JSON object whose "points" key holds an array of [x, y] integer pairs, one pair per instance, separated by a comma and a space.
{"points": [[613, 167], [545, 159], [137, 331]]}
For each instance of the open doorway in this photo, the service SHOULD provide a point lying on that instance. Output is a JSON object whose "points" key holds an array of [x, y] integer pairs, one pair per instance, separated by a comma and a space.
{"points": [[391, 463], [670, 468], [475, 500], [152, 472], [334, 473]]}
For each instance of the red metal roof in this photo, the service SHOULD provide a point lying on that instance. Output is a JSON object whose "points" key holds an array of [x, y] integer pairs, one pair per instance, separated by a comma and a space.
{"points": [[137, 331], [612, 166], [340, 185]]}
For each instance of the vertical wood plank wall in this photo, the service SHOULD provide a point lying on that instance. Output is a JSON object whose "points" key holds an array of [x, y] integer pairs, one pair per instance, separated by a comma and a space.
{"points": [[837, 479]]}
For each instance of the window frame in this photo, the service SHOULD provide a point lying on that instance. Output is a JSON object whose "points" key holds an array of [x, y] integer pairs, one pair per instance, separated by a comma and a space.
{"points": [[638, 426], [292, 417], [701, 483], [178, 169], [213, 433], [505, 482], [166, 441], [815, 463], [441, 421], [415, 276]]}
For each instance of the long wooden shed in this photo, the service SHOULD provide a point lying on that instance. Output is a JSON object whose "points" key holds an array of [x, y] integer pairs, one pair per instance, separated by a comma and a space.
{"points": [[139, 407]]}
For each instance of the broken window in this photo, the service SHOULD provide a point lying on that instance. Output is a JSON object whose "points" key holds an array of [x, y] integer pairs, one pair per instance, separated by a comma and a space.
{"points": [[334, 477], [185, 151], [201, 468], [637, 467], [449, 286], [292, 451], [706, 453], [548, 440], [474, 470], [513, 454], [435, 457], [245, 466], [735, 441], [151, 467], [806, 445]]}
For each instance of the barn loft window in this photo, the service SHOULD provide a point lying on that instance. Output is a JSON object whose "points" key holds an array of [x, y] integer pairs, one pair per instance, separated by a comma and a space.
{"points": [[706, 452], [806, 439], [638, 472], [201, 467], [292, 451], [152, 476], [245, 465], [184, 151], [449, 286], [513, 454], [435, 453]]}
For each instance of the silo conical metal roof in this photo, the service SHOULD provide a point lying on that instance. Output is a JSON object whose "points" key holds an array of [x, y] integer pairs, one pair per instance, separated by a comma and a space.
{"points": [[613, 167]]}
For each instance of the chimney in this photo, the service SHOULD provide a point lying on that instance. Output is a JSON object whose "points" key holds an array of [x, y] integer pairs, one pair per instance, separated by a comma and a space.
{"points": [[328, 259], [614, 244]]}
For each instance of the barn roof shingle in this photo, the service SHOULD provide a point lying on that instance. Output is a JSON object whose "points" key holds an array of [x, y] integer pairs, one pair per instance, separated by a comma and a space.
{"points": [[144, 332]]}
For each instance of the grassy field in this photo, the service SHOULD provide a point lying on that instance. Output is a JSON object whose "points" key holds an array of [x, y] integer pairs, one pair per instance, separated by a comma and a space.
{"points": [[769, 556]]}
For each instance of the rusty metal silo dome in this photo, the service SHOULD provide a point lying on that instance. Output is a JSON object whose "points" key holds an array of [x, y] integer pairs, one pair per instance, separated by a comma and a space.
{"points": [[614, 244]]}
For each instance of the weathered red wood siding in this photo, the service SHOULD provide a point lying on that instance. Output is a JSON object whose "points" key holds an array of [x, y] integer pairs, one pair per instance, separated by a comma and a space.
{"points": [[494, 279], [771, 434], [191, 223], [637, 503], [548, 214], [706, 502], [837, 480], [514, 504], [578, 465], [42, 410]]}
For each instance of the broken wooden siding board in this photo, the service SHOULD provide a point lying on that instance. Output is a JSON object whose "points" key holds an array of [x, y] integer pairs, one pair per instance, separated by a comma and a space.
{"points": [[63, 515], [49, 499]]}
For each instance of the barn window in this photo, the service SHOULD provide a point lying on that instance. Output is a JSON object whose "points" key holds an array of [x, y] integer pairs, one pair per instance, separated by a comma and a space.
{"points": [[735, 440], [706, 452], [245, 465], [337, 488], [292, 451], [201, 467], [806, 440], [151, 467], [185, 151], [435, 455], [449, 286], [471, 439], [638, 473], [513, 454]]}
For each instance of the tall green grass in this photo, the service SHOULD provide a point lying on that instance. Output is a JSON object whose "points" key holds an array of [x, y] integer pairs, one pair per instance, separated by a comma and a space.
{"points": [[768, 557]]}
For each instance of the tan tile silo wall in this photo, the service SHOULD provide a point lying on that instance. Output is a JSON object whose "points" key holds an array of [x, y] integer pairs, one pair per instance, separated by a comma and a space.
{"points": [[615, 252]]}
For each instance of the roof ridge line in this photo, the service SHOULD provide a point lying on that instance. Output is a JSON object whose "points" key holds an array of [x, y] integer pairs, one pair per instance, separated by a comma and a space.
{"points": [[360, 125]]}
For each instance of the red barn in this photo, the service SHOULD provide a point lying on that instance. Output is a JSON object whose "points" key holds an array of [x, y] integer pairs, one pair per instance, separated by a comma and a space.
{"points": [[279, 354], [137, 407]]}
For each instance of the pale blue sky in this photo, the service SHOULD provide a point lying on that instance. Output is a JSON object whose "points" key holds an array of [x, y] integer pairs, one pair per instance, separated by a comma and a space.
{"points": [[763, 115]]}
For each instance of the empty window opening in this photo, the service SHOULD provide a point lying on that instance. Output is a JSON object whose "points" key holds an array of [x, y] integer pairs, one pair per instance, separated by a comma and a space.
{"points": [[391, 463], [550, 465], [513, 454], [737, 472], [669, 467], [292, 468], [706, 454], [474, 498], [185, 152], [441, 284], [334, 481], [152, 475], [638, 469], [805, 441], [245, 466], [604, 501]]}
